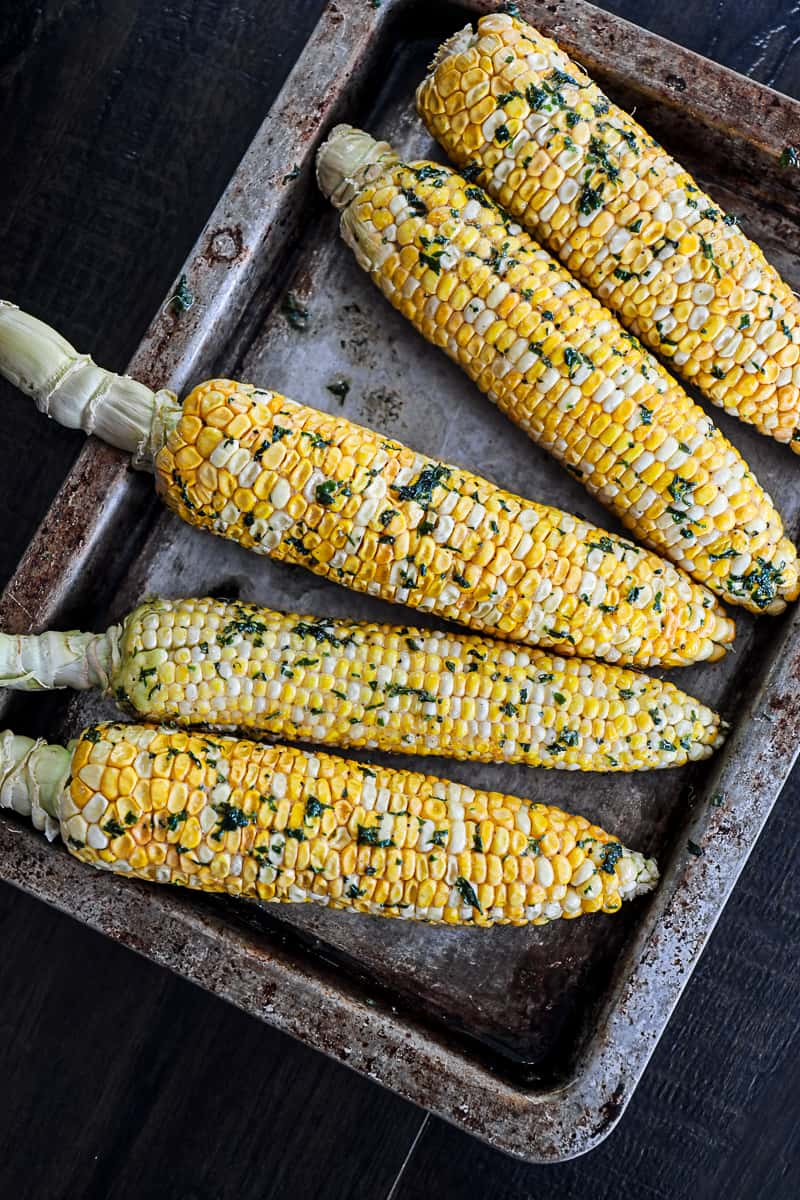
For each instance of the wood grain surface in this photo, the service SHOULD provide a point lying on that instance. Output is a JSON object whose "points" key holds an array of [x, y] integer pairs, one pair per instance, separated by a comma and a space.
{"points": [[121, 122]]}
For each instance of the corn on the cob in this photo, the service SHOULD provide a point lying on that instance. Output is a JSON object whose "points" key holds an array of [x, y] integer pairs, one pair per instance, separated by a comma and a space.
{"points": [[278, 824], [310, 488], [625, 218], [391, 688], [559, 365]]}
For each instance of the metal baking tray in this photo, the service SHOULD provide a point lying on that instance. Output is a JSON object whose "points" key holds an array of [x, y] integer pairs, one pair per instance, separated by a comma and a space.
{"points": [[533, 1039]]}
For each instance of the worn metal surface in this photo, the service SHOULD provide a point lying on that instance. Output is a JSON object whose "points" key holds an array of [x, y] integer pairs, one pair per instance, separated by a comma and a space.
{"points": [[532, 1039]]}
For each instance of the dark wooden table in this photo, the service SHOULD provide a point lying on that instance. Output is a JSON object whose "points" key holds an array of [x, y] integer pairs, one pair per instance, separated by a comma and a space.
{"points": [[121, 122]]}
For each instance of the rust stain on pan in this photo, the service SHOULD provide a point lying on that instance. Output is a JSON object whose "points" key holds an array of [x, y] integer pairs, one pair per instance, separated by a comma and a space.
{"points": [[225, 245]]}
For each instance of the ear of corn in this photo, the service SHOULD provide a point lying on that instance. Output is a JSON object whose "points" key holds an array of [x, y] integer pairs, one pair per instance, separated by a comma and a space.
{"points": [[373, 515], [362, 510], [558, 364], [622, 215], [390, 688], [278, 824]]}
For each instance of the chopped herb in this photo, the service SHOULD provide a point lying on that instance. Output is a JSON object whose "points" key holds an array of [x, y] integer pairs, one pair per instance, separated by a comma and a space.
{"points": [[290, 175], [182, 298], [680, 488], [400, 689], [633, 595], [243, 624], [536, 348], [422, 490], [591, 199], [708, 251], [174, 820], [761, 583], [574, 358], [474, 193], [416, 205], [296, 313], [717, 800], [316, 439], [367, 835], [744, 321], [325, 492], [113, 828], [599, 153], [790, 157], [429, 171], [468, 893], [568, 737], [231, 817], [339, 388], [321, 631], [603, 543], [612, 853], [646, 414], [694, 849]]}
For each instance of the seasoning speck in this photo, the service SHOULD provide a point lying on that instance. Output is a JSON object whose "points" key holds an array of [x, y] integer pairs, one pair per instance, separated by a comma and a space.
{"points": [[296, 313], [182, 298], [339, 388]]}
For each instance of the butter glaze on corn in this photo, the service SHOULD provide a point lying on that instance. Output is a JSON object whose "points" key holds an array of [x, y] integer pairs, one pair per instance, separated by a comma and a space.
{"points": [[279, 824], [560, 366], [377, 687], [362, 510], [622, 215]]}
